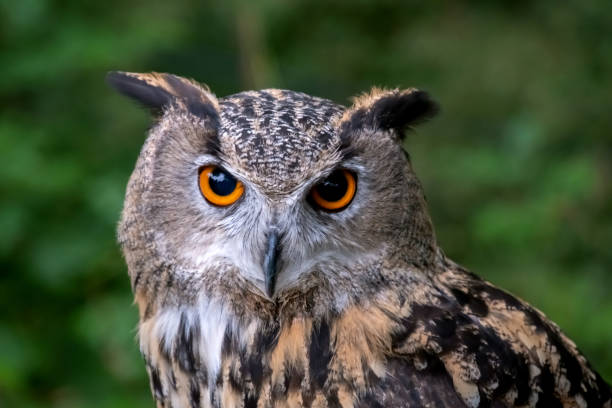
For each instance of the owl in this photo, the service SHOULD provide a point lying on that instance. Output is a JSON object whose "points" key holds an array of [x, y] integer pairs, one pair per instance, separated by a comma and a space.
{"points": [[281, 254]]}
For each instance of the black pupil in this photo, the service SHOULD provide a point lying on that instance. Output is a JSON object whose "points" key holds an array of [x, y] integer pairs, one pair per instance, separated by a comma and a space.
{"points": [[334, 187], [221, 183]]}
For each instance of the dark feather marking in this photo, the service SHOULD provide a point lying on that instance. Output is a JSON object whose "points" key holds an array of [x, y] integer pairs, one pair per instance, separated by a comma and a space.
{"points": [[171, 378], [204, 110], [395, 111], [408, 159], [168, 286], [212, 397], [573, 370], [229, 346], [440, 323], [250, 401], [195, 100], [369, 401], [136, 279], [184, 351], [323, 138], [353, 124], [266, 120], [151, 97], [444, 326], [194, 393], [308, 394], [248, 111], [496, 360], [203, 375], [319, 353], [546, 396], [293, 377], [521, 382], [156, 384], [156, 98], [288, 118], [266, 339], [569, 361], [252, 367], [451, 329], [235, 380], [593, 395], [266, 96], [332, 399], [404, 329], [347, 151], [147, 312], [183, 88], [279, 391], [219, 379], [407, 387], [399, 111], [605, 393], [370, 376], [475, 304], [149, 309], [162, 273]]}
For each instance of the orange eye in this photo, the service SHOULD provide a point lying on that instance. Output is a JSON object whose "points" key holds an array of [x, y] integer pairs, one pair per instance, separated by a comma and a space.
{"points": [[219, 187], [336, 191]]}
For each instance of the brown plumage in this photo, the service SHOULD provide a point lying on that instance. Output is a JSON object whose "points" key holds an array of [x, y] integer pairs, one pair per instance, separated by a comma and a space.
{"points": [[273, 301]]}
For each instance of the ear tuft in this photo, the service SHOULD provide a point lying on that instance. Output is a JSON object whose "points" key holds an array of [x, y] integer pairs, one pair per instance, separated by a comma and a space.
{"points": [[403, 109], [156, 91], [138, 88], [389, 110]]}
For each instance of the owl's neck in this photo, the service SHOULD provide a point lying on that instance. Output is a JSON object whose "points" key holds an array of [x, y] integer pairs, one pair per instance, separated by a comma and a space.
{"points": [[217, 350], [208, 354]]}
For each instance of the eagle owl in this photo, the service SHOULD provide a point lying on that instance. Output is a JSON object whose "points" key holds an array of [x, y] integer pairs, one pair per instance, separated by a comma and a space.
{"points": [[281, 255]]}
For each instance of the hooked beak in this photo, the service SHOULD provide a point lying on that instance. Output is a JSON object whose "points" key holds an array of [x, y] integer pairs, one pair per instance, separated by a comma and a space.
{"points": [[269, 264]]}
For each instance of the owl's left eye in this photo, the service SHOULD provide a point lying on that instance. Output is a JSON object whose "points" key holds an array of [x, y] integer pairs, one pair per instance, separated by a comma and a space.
{"points": [[336, 192], [219, 187]]}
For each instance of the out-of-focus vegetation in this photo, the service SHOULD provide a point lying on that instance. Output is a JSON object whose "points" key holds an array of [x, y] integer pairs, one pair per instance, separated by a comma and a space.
{"points": [[517, 168]]}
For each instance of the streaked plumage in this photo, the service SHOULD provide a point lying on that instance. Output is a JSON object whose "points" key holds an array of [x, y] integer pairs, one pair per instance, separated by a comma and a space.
{"points": [[364, 309]]}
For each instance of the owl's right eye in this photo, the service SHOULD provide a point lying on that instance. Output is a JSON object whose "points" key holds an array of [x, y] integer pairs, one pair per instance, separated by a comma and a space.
{"points": [[219, 187]]}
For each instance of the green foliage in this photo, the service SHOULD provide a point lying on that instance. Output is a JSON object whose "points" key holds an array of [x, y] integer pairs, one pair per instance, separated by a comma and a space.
{"points": [[516, 168]]}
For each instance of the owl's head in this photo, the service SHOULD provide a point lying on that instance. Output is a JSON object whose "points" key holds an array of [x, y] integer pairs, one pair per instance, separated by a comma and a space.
{"points": [[269, 195]]}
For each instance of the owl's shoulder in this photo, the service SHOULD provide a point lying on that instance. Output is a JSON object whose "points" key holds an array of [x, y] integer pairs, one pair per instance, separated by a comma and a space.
{"points": [[490, 346]]}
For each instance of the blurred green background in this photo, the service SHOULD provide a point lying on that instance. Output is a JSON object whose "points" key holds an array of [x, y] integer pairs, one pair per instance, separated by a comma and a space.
{"points": [[517, 167]]}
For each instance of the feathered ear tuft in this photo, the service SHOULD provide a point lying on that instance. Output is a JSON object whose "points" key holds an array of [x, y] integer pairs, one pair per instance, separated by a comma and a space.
{"points": [[156, 91], [389, 110]]}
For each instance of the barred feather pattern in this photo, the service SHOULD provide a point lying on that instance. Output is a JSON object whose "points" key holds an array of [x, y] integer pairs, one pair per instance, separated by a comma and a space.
{"points": [[447, 339]]}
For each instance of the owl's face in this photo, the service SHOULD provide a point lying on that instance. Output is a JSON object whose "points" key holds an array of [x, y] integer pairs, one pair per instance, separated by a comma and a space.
{"points": [[270, 193]]}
